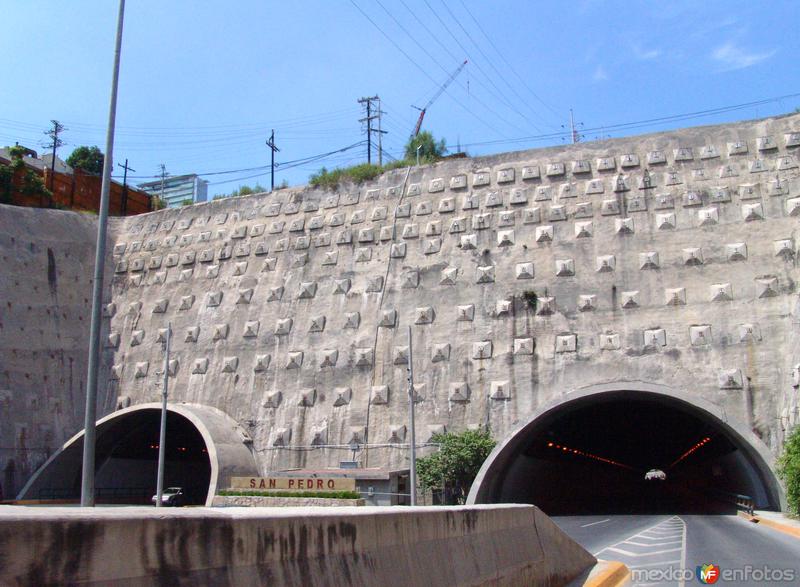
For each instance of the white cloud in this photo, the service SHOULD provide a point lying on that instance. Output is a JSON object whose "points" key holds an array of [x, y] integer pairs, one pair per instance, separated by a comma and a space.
{"points": [[600, 74], [731, 56], [648, 55]]}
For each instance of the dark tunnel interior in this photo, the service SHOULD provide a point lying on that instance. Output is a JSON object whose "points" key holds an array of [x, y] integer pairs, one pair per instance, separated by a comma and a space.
{"points": [[127, 457], [594, 458], [127, 462]]}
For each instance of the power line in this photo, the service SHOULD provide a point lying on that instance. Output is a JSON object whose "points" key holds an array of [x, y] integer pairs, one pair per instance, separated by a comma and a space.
{"points": [[498, 97], [477, 64], [511, 67], [643, 123], [417, 65], [286, 165]]}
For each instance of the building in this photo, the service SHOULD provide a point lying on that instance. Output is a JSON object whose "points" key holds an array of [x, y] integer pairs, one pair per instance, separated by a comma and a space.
{"points": [[66, 188], [178, 189]]}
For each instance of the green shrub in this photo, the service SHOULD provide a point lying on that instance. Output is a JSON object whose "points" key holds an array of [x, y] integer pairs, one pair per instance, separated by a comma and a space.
{"points": [[328, 494], [789, 470], [456, 464]]}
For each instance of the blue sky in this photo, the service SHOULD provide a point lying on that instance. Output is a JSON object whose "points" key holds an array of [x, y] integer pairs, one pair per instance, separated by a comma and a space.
{"points": [[202, 82]]}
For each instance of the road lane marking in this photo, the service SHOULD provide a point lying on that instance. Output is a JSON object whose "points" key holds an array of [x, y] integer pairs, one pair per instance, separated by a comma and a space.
{"points": [[593, 523], [657, 564], [638, 554], [654, 543], [656, 547], [682, 583]]}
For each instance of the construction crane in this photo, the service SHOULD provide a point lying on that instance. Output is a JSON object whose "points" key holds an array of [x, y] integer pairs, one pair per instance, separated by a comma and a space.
{"points": [[439, 92]]}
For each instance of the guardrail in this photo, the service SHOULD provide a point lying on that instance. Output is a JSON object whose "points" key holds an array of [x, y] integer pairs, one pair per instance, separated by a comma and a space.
{"points": [[744, 503], [142, 494]]}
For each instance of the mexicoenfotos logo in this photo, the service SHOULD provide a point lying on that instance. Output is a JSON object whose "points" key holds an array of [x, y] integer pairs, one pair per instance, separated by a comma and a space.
{"points": [[708, 573]]}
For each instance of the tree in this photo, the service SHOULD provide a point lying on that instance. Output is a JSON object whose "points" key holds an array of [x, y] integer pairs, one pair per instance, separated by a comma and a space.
{"points": [[430, 150], [29, 182], [457, 462], [88, 159], [789, 470]]}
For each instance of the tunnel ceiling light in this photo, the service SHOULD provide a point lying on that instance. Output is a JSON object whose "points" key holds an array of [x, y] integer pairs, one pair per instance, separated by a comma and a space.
{"points": [[695, 447], [588, 455]]}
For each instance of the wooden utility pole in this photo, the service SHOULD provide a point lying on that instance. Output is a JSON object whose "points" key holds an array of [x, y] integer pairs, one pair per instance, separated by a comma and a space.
{"points": [[123, 209], [273, 149], [54, 144]]}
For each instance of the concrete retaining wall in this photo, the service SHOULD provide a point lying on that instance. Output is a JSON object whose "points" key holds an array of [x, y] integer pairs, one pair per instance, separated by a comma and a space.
{"points": [[435, 546], [263, 501]]}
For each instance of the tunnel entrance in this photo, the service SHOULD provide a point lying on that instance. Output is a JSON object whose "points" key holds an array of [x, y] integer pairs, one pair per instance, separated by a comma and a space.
{"points": [[127, 459], [126, 462], [626, 452]]}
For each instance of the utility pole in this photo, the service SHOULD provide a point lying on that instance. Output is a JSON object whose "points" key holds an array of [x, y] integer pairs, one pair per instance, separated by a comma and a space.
{"points": [[380, 135], [273, 149], [164, 175], [90, 421], [412, 473], [373, 113], [54, 144], [573, 130], [124, 204], [162, 439]]}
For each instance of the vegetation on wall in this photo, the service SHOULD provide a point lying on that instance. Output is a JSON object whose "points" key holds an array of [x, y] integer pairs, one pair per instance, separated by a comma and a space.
{"points": [[246, 190], [31, 183], [430, 151], [789, 470]]}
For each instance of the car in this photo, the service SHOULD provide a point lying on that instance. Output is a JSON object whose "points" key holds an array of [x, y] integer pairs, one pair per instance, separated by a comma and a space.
{"points": [[171, 497], [655, 474]]}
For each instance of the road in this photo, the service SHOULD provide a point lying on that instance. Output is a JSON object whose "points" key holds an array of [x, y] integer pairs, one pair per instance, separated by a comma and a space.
{"points": [[657, 547]]}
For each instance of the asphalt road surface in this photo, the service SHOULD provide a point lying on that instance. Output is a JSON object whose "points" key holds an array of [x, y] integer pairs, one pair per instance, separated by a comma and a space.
{"points": [[667, 549]]}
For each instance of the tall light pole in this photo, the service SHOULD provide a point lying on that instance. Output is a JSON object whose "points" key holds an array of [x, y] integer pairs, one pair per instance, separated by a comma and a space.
{"points": [[412, 480], [162, 438], [90, 421]]}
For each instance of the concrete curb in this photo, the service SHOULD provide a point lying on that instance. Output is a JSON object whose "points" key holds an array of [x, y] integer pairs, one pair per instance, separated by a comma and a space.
{"points": [[604, 574], [608, 574], [785, 528]]}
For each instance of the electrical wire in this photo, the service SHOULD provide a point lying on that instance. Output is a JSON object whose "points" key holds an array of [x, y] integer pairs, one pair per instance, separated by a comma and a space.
{"points": [[498, 97], [511, 67], [418, 66], [477, 64]]}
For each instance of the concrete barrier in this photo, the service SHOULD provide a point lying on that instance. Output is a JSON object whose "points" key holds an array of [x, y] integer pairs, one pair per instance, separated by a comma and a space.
{"points": [[431, 546]]}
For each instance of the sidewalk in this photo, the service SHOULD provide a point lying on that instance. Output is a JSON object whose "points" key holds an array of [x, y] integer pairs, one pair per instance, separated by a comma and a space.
{"points": [[777, 520]]}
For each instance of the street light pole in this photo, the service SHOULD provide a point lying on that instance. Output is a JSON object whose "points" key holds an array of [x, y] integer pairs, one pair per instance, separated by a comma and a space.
{"points": [[90, 420], [162, 438], [413, 467]]}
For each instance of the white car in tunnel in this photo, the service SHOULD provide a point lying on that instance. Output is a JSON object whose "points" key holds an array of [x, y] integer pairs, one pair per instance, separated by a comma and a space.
{"points": [[657, 474], [172, 497]]}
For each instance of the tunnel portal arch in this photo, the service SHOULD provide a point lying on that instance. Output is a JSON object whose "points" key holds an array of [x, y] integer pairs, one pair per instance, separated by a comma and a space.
{"points": [[521, 461], [207, 446]]}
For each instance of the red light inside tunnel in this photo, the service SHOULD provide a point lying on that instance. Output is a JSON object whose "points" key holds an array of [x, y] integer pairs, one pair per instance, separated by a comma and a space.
{"points": [[696, 446], [588, 455]]}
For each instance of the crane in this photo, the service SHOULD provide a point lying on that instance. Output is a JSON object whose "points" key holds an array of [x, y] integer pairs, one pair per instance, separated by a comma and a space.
{"points": [[439, 92]]}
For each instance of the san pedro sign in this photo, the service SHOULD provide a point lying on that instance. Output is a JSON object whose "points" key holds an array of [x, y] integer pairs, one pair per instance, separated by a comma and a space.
{"points": [[294, 483]]}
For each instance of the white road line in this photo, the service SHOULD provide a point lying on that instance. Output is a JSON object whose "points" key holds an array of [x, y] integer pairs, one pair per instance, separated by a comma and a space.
{"points": [[658, 564], [628, 538], [649, 545], [638, 554], [593, 523], [682, 583], [653, 543]]}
